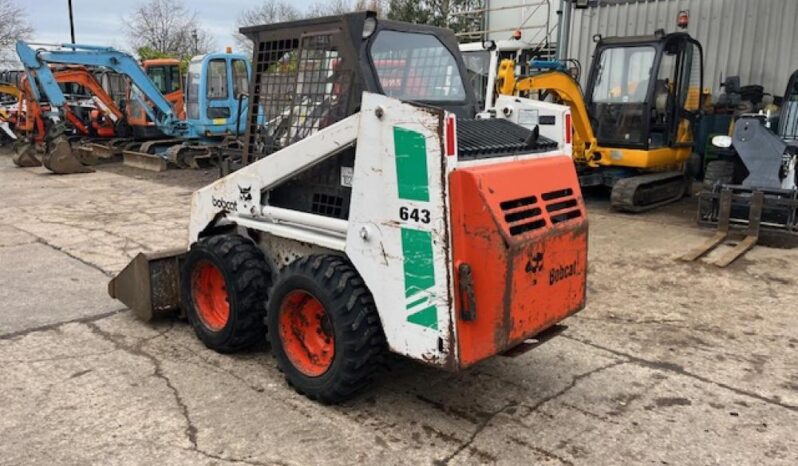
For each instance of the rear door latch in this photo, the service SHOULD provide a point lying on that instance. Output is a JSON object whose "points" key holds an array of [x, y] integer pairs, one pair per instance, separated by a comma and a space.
{"points": [[468, 308]]}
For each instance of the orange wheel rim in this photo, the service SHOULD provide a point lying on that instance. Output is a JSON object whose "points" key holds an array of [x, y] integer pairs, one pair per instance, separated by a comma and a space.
{"points": [[306, 333], [210, 296]]}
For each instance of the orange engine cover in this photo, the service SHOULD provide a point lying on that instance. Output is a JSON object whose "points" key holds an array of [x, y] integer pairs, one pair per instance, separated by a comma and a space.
{"points": [[521, 228]]}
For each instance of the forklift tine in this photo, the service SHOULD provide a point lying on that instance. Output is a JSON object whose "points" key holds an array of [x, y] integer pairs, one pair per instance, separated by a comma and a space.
{"points": [[752, 236], [723, 230]]}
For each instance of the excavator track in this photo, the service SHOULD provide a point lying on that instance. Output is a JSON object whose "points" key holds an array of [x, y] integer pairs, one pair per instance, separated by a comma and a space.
{"points": [[647, 192]]}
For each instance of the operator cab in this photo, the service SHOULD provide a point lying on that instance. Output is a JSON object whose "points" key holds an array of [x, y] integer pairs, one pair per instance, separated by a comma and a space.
{"points": [[309, 74], [644, 92], [215, 84], [788, 121], [165, 74]]}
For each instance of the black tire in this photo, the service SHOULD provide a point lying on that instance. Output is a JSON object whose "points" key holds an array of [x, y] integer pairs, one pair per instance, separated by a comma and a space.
{"points": [[705, 208], [246, 276], [359, 342], [718, 172], [694, 164]]}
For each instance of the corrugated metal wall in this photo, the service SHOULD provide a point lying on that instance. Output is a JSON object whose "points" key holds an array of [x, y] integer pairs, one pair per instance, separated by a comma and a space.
{"points": [[755, 39], [535, 19]]}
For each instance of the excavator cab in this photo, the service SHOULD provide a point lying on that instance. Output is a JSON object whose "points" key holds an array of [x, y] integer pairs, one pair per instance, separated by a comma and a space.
{"points": [[216, 94], [166, 76], [642, 96], [788, 122]]}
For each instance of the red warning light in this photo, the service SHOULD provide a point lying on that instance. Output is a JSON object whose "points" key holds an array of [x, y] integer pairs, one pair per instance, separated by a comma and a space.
{"points": [[684, 19]]}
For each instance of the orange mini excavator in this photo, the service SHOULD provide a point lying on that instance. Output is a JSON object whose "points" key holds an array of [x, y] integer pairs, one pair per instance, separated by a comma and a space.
{"points": [[100, 119]]}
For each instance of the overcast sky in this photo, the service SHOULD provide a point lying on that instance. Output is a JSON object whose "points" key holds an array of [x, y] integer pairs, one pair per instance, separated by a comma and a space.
{"points": [[99, 21]]}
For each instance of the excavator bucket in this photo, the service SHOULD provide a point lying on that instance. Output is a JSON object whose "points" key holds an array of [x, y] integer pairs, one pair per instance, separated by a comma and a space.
{"points": [[150, 284], [59, 158], [25, 155]]}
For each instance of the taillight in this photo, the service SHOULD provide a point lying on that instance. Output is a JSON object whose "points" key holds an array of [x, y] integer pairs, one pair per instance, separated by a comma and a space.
{"points": [[450, 135], [568, 128]]}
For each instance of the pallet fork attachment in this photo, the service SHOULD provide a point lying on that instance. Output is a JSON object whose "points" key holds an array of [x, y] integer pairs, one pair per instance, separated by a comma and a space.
{"points": [[724, 227]]}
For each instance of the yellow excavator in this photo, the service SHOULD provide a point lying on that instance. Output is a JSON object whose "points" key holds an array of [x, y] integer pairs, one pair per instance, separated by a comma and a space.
{"points": [[633, 125], [9, 95]]}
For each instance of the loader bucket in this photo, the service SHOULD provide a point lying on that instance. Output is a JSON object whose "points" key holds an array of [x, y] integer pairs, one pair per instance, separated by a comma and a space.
{"points": [[150, 284], [59, 158], [25, 155]]}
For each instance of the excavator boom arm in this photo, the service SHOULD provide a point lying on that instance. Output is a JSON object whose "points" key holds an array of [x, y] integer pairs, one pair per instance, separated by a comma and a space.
{"points": [[37, 61], [88, 81], [567, 90]]}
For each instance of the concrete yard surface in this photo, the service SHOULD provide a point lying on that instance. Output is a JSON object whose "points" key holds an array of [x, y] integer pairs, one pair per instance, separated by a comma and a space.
{"points": [[670, 363]]}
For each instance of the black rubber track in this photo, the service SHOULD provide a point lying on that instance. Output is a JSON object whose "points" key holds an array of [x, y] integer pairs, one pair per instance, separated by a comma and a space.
{"points": [[247, 279], [718, 172], [359, 339]]}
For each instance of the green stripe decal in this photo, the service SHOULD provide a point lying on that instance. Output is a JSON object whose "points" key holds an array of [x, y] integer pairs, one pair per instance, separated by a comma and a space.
{"points": [[411, 164], [426, 318], [419, 271]]}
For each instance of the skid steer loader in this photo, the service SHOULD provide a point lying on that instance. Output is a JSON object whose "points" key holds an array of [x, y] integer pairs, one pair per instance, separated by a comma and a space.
{"points": [[375, 214]]}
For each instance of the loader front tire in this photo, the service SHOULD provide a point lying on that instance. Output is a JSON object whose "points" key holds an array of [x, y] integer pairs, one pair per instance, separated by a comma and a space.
{"points": [[224, 282], [324, 328]]}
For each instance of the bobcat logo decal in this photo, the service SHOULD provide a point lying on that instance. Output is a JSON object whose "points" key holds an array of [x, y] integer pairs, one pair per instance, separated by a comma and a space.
{"points": [[535, 264], [245, 194]]}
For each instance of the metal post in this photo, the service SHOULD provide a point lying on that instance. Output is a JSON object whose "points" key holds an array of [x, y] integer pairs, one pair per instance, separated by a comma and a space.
{"points": [[564, 29], [71, 22], [195, 36]]}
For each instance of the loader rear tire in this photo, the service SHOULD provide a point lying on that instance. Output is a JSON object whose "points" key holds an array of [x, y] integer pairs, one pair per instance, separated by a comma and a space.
{"points": [[224, 282], [324, 328]]}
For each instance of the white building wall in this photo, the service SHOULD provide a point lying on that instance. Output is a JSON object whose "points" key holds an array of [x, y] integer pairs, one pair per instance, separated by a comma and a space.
{"points": [[535, 18]]}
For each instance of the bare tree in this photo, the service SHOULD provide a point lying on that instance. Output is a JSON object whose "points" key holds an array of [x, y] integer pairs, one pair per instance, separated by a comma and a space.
{"points": [[14, 26], [268, 12], [167, 27], [457, 15]]}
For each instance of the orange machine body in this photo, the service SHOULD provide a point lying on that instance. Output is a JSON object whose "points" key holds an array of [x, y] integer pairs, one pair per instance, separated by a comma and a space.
{"points": [[522, 230], [101, 122]]}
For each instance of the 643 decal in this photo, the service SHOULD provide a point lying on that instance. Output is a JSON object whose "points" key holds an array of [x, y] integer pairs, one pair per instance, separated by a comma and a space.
{"points": [[414, 214]]}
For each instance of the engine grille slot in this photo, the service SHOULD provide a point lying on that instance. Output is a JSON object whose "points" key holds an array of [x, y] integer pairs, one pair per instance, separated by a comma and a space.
{"points": [[562, 205], [516, 203], [560, 193], [555, 219], [525, 227], [524, 214]]}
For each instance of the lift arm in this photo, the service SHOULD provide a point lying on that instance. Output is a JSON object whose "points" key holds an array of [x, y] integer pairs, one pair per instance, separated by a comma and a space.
{"points": [[36, 63], [87, 80], [566, 89]]}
